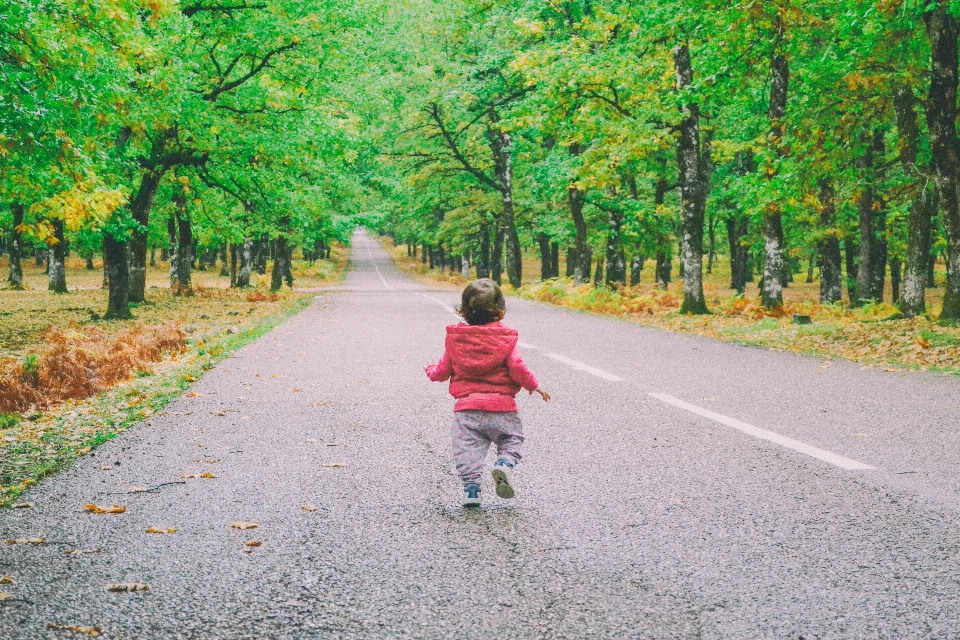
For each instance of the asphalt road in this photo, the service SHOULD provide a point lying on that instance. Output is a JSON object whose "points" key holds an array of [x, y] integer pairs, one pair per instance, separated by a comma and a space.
{"points": [[757, 495]]}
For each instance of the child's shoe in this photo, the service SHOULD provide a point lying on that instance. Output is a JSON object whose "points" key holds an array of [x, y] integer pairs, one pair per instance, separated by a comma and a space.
{"points": [[502, 473], [471, 495]]}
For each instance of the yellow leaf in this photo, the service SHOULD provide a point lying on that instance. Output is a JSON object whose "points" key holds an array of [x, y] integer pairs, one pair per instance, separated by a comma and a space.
{"points": [[254, 543], [6, 580], [26, 540], [334, 464], [161, 530], [237, 524], [95, 509], [308, 507]]}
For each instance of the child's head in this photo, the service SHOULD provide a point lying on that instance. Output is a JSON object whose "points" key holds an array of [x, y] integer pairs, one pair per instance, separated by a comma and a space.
{"points": [[482, 302]]}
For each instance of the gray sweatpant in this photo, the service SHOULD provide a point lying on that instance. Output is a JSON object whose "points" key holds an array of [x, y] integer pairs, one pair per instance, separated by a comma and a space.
{"points": [[473, 431]]}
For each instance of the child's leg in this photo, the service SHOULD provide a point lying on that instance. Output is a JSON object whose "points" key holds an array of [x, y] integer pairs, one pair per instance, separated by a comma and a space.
{"points": [[470, 445], [509, 437]]}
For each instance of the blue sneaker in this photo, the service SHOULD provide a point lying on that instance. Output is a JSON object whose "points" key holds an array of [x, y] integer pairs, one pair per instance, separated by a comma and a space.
{"points": [[471, 495], [502, 473]]}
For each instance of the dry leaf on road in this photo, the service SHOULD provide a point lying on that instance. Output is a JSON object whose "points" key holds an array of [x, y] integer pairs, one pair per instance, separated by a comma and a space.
{"points": [[334, 464], [297, 390], [399, 466], [95, 509], [26, 540], [87, 631], [124, 587], [253, 543], [7, 580], [205, 474], [5, 596], [308, 507], [81, 552], [237, 524], [193, 394], [162, 530], [23, 505]]}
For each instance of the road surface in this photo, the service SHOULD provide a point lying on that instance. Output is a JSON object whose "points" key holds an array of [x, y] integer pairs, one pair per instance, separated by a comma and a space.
{"points": [[675, 487]]}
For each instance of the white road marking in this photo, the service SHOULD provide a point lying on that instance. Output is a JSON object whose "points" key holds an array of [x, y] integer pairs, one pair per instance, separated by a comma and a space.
{"points": [[579, 366], [382, 279], [448, 308], [525, 345], [763, 434]]}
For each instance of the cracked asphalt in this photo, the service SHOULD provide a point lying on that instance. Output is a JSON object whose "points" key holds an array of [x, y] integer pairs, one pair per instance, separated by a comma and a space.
{"points": [[633, 519]]}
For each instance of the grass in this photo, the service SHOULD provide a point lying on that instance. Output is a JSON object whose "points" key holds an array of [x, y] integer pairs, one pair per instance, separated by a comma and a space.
{"points": [[216, 321], [874, 334]]}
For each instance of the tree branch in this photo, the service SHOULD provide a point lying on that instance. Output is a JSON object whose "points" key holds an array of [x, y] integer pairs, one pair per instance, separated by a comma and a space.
{"points": [[195, 9]]}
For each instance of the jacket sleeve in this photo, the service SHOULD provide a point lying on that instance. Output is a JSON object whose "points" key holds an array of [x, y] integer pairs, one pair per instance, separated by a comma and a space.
{"points": [[441, 371], [520, 373]]}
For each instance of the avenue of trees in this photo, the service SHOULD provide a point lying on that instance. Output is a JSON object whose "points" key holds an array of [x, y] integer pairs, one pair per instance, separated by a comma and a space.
{"points": [[783, 135]]}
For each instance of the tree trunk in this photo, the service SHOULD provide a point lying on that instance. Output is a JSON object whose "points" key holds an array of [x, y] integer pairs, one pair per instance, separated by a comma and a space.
{"points": [[693, 190], [224, 267], [829, 246], [514, 254], [739, 254], [771, 295], [246, 263], [616, 259], [140, 210], [496, 260], [546, 269], [922, 204], [184, 247], [233, 264], [58, 273], [942, 124], [15, 275], [261, 249], [581, 264], [483, 264], [39, 256], [288, 267], [598, 274], [106, 275], [895, 268], [280, 258], [664, 267], [850, 253], [172, 253], [712, 238], [163, 254], [153, 256], [636, 268], [555, 259], [118, 274], [870, 275], [89, 264]]}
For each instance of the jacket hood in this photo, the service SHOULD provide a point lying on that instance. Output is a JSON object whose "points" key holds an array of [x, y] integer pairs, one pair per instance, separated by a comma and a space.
{"points": [[478, 349]]}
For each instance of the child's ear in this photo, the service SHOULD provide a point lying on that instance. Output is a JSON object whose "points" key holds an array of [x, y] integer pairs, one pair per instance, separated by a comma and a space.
{"points": [[500, 315]]}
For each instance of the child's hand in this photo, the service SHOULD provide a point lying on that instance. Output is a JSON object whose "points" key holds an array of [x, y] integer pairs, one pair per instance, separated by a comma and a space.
{"points": [[543, 394], [429, 364]]}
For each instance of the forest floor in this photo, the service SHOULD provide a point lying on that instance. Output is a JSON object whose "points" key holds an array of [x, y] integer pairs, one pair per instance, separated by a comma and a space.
{"points": [[874, 335], [216, 321]]}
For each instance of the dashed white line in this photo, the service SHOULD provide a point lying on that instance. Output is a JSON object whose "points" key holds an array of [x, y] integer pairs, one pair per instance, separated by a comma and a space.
{"points": [[579, 366], [763, 434], [525, 345], [374, 263]]}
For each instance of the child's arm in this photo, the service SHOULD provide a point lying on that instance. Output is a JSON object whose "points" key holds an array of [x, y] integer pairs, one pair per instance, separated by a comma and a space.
{"points": [[441, 371], [520, 373]]}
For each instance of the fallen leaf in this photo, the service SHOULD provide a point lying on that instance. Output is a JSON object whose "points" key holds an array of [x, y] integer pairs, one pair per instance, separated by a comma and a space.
{"points": [[201, 445], [308, 507], [399, 466], [205, 474], [125, 587], [237, 524], [334, 464], [6, 580], [193, 394], [105, 468], [190, 379], [891, 370], [254, 543], [23, 505], [5, 596], [297, 390], [95, 509], [332, 444], [81, 552], [708, 399], [87, 631], [26, 540], [321, 404], [161, 530]]}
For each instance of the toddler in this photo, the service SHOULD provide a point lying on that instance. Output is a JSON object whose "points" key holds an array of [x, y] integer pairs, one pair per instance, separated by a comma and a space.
{"points": [[483, 364]]}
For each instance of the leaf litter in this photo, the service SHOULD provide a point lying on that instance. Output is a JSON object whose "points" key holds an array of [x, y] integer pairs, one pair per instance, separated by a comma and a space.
{"points": [[239, 524], [97, 509], [87, 631], [127, 587]]}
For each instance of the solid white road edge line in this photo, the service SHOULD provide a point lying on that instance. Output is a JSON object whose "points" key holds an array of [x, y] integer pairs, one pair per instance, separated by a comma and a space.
{"points": [[763, 434], [525, 345], [374, 263], [579, 366]]}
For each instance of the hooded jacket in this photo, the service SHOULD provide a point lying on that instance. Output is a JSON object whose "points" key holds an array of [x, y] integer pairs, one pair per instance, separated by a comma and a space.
{"points": [[484, 367]]}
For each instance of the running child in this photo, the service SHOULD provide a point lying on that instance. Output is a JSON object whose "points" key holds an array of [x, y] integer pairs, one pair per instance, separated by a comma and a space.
{"points": [[483, 364]]}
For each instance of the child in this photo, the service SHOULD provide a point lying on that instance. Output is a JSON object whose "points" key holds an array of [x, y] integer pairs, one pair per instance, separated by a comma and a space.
{"points": [[485, 370]]}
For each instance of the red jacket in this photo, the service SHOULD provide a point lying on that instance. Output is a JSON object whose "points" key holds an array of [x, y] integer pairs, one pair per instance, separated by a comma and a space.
{"points": [[484, 367]]}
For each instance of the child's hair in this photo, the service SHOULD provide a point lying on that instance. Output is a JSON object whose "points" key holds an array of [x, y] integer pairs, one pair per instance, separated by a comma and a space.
{"points": [[482, 302]]}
